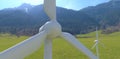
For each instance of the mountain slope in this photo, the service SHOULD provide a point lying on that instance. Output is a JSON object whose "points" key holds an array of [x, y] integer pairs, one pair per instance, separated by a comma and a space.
{"points": [[18, 21], [107, 14]]}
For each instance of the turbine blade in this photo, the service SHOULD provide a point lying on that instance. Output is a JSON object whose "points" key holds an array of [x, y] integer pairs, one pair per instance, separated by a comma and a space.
{"points": [[48, 49], [94, 45], [24, 48], [70, 38], [102, 44], [50, 8]]}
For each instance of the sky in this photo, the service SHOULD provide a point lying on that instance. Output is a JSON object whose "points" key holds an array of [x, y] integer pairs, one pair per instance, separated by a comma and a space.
{"points": [[69, 4]]}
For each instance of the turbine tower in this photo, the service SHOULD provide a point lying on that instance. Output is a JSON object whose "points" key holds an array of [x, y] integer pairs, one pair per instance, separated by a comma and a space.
{"points": [[96, 43], [47, 32]]}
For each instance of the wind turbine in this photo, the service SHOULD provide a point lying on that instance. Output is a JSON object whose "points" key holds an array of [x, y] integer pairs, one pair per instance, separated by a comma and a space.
{"points": [[96, 43], [47, 32]]}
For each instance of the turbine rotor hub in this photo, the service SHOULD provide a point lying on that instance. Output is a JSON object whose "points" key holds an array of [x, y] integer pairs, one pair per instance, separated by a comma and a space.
{"points": [[53, 29]]}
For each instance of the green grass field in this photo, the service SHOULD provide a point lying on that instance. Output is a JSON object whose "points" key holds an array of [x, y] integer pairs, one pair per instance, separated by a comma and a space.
{"points": [[63, 50]]}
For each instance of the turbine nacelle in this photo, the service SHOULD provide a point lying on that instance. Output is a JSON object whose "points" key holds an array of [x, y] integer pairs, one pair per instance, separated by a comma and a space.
{"points": [[52, 28]]}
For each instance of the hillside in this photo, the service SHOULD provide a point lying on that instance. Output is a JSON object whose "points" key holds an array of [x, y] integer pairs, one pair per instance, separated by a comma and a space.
{"points": [[107, 14], [19, 21]]}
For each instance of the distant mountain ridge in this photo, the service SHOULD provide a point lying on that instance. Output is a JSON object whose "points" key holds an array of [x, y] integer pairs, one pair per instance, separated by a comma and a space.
{"points": [[107, 14], [18, 21]]}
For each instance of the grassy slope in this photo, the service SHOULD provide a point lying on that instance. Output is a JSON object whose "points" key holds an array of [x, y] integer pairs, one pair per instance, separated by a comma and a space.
{"points": [[64, 50]]}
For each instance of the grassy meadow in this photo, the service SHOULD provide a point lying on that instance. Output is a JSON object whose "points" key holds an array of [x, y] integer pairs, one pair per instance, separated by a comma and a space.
{"points": [[109, 47]]}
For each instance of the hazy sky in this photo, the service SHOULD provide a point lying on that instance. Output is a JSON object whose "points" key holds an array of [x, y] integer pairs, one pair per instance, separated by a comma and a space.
{"points": [[70, 4]]}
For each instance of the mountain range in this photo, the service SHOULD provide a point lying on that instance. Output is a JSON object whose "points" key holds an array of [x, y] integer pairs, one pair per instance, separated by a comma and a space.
{"points": [[27, 19], [107, 15]]}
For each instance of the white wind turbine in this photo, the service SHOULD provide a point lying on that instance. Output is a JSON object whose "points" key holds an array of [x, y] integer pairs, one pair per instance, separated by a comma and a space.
{"points": [[96, 44], [47, 32]]}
